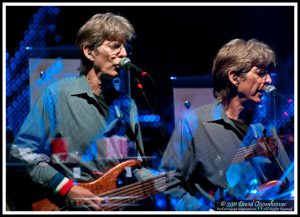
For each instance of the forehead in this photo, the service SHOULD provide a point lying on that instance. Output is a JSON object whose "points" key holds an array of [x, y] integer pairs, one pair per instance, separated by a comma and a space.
{"points": [[117, 38]]}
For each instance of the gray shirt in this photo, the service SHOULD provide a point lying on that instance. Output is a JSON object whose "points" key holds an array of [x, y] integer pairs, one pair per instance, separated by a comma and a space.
{"points": [[202, 148], [66, 132]]}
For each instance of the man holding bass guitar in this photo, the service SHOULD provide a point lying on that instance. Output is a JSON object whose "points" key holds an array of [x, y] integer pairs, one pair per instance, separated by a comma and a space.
{"points": [[81, 127], [217, 149]]}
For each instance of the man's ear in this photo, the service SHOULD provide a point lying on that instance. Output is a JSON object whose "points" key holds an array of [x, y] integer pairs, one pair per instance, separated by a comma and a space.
{"points": [[88, 52], [233, 78]]}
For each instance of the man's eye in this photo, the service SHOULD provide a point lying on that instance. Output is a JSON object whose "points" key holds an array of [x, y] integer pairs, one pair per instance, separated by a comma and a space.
{"points": [[262, 73], [116, 46]]}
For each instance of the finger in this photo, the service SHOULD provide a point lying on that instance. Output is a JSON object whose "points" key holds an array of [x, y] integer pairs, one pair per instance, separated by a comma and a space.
{"points": [[86, 207], [100, 201], [92, 204]]}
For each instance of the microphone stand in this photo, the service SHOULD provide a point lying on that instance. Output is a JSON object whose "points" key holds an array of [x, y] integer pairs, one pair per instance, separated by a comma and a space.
{"points": [[141, 88], [274, 110], [162, 131]]}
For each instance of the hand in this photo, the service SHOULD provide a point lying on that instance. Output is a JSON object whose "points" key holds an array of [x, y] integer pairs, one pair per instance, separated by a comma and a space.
{"points": [[85, 198]]}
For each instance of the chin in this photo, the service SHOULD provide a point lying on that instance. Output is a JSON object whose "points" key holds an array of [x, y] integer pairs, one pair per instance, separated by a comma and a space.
{"points": [[257, 100], [112, 74]]}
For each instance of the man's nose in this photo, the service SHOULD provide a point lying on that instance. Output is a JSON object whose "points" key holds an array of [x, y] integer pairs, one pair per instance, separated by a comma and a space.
{"points": [[123, 52], [268, 79]]}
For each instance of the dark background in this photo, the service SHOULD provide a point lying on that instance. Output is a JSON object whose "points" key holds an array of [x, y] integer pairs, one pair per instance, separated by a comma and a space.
{"points": [[173, 40]]}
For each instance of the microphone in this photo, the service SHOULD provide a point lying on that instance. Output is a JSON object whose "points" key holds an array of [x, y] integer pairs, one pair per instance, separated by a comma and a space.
{"points": [[271, 90], [126, 63]]}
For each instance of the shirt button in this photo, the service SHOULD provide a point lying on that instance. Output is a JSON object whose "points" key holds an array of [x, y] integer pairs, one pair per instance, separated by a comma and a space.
{"points": [[218, 160]]}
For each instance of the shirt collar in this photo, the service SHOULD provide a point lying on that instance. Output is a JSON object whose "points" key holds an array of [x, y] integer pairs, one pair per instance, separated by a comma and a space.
{"points": [[81, 86], [218, 112]]}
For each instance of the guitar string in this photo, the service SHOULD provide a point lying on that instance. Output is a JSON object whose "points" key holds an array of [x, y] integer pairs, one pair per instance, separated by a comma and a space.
{"points": [[147, 187], [246, 152], [243, 151], [123, 191], [140, 189], [249, 151], [144, 195], [140, 194], [137, 183]]}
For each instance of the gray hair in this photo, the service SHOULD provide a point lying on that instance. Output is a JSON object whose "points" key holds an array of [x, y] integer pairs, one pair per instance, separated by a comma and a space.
{"points": [[240, 56], [99, 28]]}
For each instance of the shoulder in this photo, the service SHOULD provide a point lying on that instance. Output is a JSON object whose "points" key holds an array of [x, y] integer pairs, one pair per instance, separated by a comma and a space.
{"points": [[58, 90], [197, 117], [202, 113], [65, 82], [65, 85]]}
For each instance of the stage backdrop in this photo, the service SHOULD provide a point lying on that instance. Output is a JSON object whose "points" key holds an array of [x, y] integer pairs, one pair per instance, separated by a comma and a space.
{"points": [[190, 92]]}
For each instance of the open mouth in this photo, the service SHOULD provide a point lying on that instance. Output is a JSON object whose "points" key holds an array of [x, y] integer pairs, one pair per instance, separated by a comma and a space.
{"points": [[117, 68]]}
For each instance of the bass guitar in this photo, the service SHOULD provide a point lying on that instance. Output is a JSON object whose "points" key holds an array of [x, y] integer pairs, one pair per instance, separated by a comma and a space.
{"points": [[106, 187]]}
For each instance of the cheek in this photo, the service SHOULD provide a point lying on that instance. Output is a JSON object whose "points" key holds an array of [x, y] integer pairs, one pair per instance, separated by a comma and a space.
{"points": [[102, 60], [103, 55], [259, 84], [249, 87]]}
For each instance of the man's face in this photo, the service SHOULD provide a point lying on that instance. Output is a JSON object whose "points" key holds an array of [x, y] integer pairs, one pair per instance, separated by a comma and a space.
{"points": [[252, 87], [109, 55]]}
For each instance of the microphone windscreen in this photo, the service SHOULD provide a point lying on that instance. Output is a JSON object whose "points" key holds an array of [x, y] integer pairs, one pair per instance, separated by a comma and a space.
{"points": [[270, 89], [124, 61]]}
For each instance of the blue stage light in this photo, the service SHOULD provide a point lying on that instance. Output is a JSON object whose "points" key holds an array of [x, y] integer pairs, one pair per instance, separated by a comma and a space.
{"points": [[58, 38], [32, 33], [141, 118], [147, 119], [52, 27], [151, 118], [27, 38], [13, 66], [160, 202], [56, 11]]}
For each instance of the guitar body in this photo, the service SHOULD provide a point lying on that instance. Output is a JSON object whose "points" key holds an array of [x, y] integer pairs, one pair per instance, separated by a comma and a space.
{"points": [[267, 190], [105, 183]]}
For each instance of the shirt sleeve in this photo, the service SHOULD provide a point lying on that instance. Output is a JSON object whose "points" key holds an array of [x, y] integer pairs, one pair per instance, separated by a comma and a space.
{"points": [[33, 142]]}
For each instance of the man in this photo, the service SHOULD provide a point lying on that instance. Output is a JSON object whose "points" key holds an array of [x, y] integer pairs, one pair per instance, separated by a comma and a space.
{"points": [[81, 127], [208, 148]]}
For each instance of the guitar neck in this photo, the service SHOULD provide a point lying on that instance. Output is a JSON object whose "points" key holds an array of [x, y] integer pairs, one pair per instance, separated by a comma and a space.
{"points": [[256, 149], [130, 194]]}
